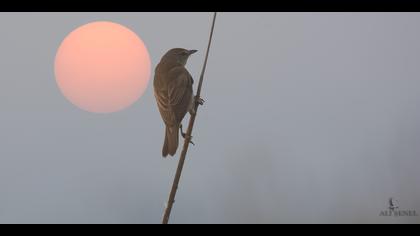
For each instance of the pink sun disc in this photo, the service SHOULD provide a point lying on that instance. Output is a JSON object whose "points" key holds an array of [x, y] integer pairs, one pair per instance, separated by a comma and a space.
{"points": [[102, 67]]}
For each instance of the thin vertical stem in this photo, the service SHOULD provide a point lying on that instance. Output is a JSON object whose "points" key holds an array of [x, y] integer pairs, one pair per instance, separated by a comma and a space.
{"points": [[187, 140]]}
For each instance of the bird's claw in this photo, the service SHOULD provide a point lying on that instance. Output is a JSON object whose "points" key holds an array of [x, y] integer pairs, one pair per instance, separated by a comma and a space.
{"points": [[184, 135], [199, 100]]}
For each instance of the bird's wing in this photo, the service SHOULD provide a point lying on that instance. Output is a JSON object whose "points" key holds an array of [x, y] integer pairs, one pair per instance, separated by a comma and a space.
{"points": [[174, 102], [180, 92]]}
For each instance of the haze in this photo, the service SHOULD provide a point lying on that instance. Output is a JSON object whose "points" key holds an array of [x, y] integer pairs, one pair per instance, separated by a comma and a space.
{"points": [[309, 118]]}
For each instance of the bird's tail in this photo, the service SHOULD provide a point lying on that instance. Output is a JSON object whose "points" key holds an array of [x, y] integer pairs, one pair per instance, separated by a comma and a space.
{"points": [[171, 141]]}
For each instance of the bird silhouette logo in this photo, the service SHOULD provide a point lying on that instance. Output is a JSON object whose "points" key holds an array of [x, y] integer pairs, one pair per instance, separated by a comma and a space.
{"points": [[392, 204]]}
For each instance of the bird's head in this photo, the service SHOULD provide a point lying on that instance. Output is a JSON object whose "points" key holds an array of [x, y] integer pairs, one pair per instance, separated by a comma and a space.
{"points": [[178, 55]]}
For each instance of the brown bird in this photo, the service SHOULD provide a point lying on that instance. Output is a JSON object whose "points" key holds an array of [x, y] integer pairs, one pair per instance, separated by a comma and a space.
{"points": [[173, 89]]}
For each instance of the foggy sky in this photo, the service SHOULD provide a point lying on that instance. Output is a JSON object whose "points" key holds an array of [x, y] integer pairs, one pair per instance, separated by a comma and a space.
{"points": [[309, 118]]}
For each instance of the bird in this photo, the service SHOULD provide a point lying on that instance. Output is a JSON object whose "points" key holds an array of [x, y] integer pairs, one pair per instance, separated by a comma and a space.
{"points": [[173, 90]]}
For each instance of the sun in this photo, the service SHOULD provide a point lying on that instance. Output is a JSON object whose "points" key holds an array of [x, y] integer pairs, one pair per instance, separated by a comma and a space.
{"points": [[102, 67]]}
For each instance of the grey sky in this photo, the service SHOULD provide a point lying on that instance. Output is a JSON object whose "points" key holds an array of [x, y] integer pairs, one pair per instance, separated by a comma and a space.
{"points": [[309, 118]]}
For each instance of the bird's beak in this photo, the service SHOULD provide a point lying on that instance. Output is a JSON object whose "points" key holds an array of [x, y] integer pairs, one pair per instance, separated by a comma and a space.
{"points": [[192, 52]]}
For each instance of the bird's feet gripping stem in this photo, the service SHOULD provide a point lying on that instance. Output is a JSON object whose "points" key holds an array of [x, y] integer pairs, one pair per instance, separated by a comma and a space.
{"points": [[194, 101], [184, 135], [199, 100]]}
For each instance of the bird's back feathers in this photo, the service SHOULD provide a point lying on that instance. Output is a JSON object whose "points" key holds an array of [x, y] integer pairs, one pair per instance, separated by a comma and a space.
{"points": [[173, 91]]}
